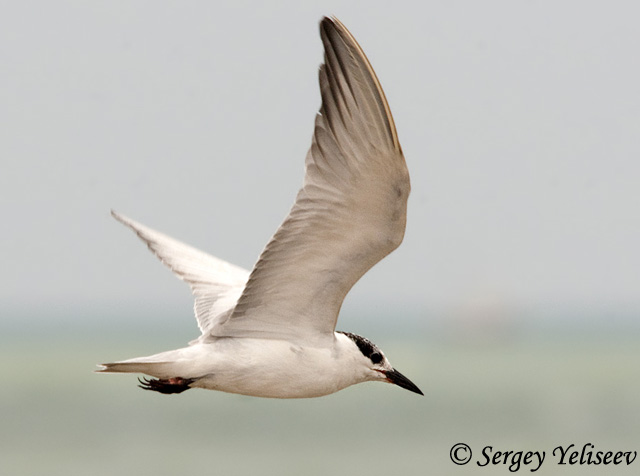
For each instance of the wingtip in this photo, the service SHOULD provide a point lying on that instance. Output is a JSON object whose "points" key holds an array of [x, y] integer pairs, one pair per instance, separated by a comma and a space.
{"points": [[331, 19], [331, 23], [121, 218], [327, 19], [116, 215], [331, 30]]}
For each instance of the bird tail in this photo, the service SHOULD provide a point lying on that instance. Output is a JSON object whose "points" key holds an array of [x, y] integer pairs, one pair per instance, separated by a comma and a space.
{"points": [[165, 365], [155, 369]]}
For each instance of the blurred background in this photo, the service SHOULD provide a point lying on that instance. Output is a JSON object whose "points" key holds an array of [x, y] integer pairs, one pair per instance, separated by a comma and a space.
{"points": [[513, 302]]}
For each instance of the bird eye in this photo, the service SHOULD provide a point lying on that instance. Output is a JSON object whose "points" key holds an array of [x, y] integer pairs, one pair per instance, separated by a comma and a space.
{"points": [[376, 358]]}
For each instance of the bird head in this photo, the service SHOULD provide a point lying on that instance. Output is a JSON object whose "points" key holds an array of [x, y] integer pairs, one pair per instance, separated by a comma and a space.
{"points": [[375, 365]]}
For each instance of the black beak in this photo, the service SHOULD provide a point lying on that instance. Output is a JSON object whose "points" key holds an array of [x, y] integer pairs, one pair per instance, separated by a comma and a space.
{"points": [[395, 377]]}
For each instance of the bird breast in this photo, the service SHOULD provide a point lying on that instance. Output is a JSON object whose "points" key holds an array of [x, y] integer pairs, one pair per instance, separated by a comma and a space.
{"points": [[274, 368]]}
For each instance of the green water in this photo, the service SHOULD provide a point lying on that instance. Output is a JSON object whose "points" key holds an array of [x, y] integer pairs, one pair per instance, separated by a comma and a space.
{"points": [[59, 418]]}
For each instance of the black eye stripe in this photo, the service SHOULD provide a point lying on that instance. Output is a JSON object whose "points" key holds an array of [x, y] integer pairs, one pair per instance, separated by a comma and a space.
{"points": [[367, 347]]}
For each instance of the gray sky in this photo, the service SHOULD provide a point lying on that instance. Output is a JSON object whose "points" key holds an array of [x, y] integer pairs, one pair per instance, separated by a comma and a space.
{"points": [[519, 120]]}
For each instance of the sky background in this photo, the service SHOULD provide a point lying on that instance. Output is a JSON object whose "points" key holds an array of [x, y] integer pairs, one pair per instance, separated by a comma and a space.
{"points": [[519, 120]]}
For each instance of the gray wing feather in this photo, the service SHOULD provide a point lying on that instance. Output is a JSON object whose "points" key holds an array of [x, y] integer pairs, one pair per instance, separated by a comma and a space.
{"points": [[349, 214], [216, 285]]}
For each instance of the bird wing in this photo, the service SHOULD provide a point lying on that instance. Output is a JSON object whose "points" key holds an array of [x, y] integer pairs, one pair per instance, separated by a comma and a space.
{"points": [[215, 284], [349, 214]]}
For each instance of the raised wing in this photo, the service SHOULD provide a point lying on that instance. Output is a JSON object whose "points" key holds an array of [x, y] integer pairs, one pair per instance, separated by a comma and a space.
{"points": [[216, 284], [349, 214]]}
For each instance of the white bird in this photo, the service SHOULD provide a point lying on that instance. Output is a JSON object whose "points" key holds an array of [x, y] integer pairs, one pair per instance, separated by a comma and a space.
{"points": [[271, 332]]}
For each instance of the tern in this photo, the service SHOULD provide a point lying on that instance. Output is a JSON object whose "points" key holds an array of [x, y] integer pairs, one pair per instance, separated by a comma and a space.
{"points": [[271, 332]]}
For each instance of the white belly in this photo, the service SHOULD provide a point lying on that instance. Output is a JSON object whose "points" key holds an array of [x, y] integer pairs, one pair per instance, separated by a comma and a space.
{"points": [[270, 368]]}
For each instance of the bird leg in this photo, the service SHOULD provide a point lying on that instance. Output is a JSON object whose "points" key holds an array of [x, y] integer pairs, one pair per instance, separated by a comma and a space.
{"points": [[168, 386]]}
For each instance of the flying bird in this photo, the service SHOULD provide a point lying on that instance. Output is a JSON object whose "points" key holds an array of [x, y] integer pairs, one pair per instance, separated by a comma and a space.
{"points": [[271, 332]]}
